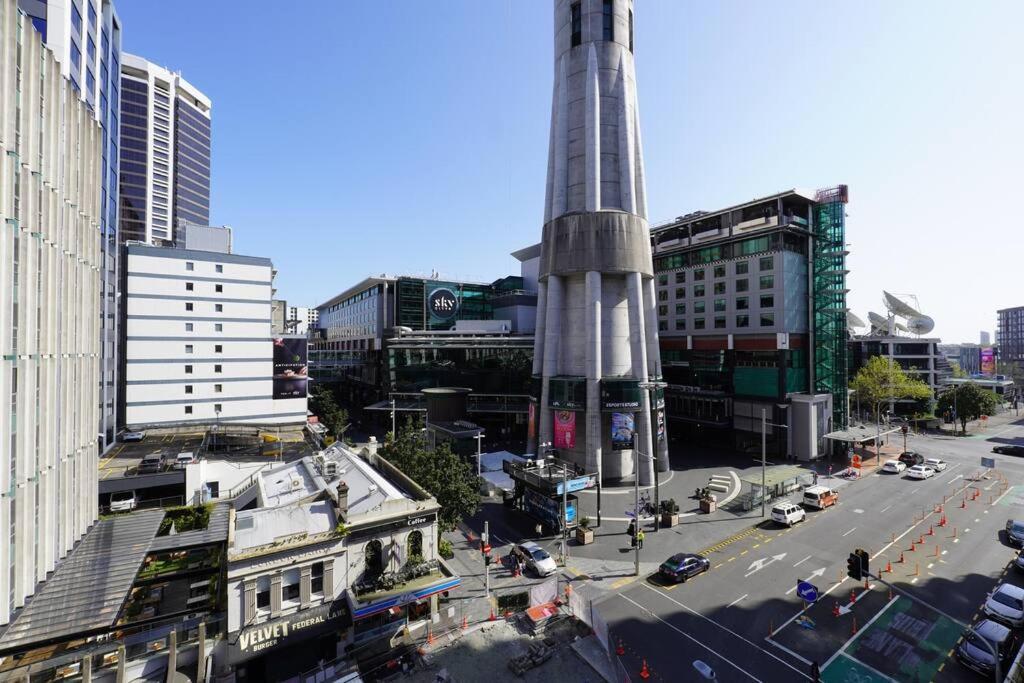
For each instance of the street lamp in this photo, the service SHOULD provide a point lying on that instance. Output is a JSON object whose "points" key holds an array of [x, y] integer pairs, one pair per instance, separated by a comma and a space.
{"points": [[764, 440], [394, 431], [651, 387]]}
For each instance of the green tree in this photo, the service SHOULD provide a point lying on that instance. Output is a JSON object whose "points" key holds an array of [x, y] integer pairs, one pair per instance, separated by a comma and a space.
{"points": [[882, 379], [957, 370], [971, 402], [450, 478], [324, 405]]}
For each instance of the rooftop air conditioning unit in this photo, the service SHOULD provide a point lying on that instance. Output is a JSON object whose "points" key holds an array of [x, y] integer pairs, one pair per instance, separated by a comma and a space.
{"points": [[330, 469]]}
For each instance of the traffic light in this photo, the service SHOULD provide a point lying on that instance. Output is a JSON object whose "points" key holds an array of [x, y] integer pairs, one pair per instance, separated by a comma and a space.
{"points": [[865, 562], [853, 567]]}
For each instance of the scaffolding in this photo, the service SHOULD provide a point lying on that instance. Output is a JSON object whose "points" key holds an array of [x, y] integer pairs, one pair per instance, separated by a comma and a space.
{"points": [[829, 279]]}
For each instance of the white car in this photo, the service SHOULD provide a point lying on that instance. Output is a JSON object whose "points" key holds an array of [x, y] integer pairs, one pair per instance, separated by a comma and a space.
{"points": [[920, 472], [132, 436], [935, 464], [536, 558], [1006, 604], [788, 513], [123, 501], [183, 460], [894, 466]]}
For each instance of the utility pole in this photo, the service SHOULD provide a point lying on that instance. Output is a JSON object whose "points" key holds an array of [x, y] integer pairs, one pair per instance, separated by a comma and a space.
{"points": [[565, 512], [636, 505], [764, 438], [485, 540], [394, 432], [479, 438]]}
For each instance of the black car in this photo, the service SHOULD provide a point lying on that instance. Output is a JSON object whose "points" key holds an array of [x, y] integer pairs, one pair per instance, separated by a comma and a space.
{"points": [[1015, 532], [976, 646], [1019, 561], [682, 566], [1009, 450], [911, 458]]}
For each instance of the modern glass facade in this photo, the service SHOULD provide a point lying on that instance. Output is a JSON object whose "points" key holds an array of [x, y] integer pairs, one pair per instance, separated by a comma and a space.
{"points": [[134, 158], [191, 164]]}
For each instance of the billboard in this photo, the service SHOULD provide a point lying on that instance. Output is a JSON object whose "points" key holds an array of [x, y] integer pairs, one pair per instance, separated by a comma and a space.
{"points": [[988, 361], [565, 429], [661, 424], [290, 367], [442, 304], [622, 431]]}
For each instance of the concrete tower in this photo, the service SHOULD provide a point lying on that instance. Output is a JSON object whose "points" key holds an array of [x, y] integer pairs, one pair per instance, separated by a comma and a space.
{"points": [[596, 312]]}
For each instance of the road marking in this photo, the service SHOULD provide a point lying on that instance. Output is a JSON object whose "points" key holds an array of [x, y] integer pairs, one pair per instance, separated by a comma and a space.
{"points": [[729, 631], [863, 628], [850, 531], [689, 637], [758, 565], [885, 508], [802, 561], [788, 651], [737, 600], [1008, 489], [815, 573], [949, 470], [967, 530], [914, 580], [858, 511]]}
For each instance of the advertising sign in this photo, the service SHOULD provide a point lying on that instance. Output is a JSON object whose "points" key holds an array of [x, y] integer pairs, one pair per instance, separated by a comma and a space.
{"points": [[290, 367], [622, 431], [988, 361], [577, 484], [661, 424], [620, 395], [546, 509], [531, 422], [565, 429], [442, 303], [255, 640]]}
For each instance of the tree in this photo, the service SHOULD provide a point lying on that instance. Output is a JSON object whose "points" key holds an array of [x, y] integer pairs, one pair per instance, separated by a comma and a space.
{"points": [[882, 379], [450, 478], [325, 406], [971, 402], [957, 370]]}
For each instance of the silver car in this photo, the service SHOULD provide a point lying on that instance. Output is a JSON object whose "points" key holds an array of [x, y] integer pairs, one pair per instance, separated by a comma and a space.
{"points": [[1006, 604]]}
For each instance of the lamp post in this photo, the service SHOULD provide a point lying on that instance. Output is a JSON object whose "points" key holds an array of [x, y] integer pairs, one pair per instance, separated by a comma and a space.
{"points": [[394, 430], [636, 505], [651, 387], [764, 457], [479, 438]]}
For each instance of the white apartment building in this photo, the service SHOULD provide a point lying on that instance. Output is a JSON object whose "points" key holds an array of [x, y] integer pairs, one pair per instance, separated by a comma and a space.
{"points": [[301, 319], [198, 344], [51, 265], [165, 152]]}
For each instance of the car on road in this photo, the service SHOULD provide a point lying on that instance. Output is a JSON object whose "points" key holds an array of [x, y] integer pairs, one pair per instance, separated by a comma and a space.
{"points": [[788, 513], [535, 558], [973, 652], [1009, 450], [123, 501], [935, 463], [183, 460], [132, 436], [682, 566], [820, 497], [1015, 532], [150, 464], [1019, 561], [894, 466], [1006, 604], [920, 472], [911, 458]]}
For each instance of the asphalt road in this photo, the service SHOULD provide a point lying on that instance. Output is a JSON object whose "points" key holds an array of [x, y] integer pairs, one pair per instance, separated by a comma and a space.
{"points": [[741, 617]]}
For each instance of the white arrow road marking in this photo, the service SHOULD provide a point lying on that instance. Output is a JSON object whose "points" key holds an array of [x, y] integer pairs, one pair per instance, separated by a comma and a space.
{"points": [[847, 608], [737, 600], [815, 573], [758, 565]]}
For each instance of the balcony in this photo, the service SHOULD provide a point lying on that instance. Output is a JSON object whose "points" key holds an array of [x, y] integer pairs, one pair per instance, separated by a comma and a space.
{"points": [[393, 590], [759, 223]]}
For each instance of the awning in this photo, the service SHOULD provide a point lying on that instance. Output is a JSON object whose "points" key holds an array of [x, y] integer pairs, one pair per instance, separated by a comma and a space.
{"points": [[860, 433], [86, 593]]}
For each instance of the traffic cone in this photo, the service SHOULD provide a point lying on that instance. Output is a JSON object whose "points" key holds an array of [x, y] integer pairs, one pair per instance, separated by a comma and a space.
{"points": [[853, 630], [465, 622], [853, 597], [920, 539], [911, 546], [888, 567], [620, 650], [492, 617], [835, 610], [931, 530], [901, 557], [963, 503], [645, 673], [430, 635]]}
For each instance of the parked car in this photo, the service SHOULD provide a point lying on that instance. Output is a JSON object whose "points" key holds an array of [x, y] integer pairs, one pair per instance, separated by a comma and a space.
{"points": [[1019, 561], [1009, 450], [183, 460], [920, 472], [820, 497], [1006, 604], [911, 458], [682, 566], [535, 558], [123, 501], [132, 436], [788, 513], [894, 466], [150, 464], [974, 654], [935, 463], [1015, 532]]}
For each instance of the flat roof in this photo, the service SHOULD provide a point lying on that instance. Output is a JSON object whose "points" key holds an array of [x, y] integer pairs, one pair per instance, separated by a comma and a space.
{"points": [[860, 433], [698, 216], [368, 489], [289, 483], [89, 587], [263, 526]]}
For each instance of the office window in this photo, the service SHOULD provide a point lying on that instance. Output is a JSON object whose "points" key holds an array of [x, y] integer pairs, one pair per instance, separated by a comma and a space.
{"points": [[662, 325], [188, 388], [767, 262], [218, 288], [743, 321], [76, 17], [662, 295], [219, 268], [219, 308], [719, 288], [767, 281], [662, 279], [218, 407], [576, 19], [698, 290], [680, 292], [316, 578], [767, 319], [263, 594], [720, 322], [189, 265], [698, 274], [719, 271], [742, 285], [190, 287], [681, 276], [742, 303], [608, 22], [189, 306], [290, 592], [188, 348], [719, 305], [767, 301], [742, 267], [680, 309], [662, 310], [218, 348], [189, 327], [218, 388], [681, 324], [218, 368], [188, 410], [698, 306], [698, 323], [218, 327], [188, 369]]}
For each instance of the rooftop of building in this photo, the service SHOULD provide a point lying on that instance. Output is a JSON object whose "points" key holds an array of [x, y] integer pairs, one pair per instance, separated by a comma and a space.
{"points": [[131, 65], [277, 525], [693, 216], [373, 281]]}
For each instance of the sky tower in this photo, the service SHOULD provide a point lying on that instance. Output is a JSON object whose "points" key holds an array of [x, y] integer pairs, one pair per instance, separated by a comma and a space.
{"points": [[596, 339]]}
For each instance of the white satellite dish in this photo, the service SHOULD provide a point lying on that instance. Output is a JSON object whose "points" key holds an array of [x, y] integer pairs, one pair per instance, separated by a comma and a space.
{"points": [[853, 321], [920, 324], [899, 306]]}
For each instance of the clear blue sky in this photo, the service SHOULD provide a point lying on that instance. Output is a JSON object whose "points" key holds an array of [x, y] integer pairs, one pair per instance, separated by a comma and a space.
{"points": [[364, 137]]}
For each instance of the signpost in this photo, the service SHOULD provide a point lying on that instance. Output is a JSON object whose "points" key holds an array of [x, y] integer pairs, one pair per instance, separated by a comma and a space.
{"points": [[807, 591], [989, 463]]}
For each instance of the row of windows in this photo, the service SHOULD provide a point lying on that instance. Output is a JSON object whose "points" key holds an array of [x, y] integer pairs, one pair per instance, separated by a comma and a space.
{"points": [[217, 369], [747, 247], [191, 327], [742, 285], [217, 407], [191, 307], [720, 271], [217, 348], [191, 287], [742, 303], [217, 389], [719, 322]]}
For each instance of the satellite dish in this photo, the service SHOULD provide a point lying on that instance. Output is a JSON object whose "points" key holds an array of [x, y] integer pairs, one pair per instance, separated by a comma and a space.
{"points": [[920, 324], [899, 306], [853, 321], [901, 327]]}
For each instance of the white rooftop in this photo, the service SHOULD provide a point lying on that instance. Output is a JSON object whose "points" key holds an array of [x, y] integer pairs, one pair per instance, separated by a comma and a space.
{"points": [[254, 528], [289, 483], [368, 489]]}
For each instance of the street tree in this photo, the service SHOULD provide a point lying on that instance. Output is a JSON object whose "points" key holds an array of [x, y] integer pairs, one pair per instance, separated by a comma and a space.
{"points": [[970, 402], [450, 478], [882, 379], [324, 405]]}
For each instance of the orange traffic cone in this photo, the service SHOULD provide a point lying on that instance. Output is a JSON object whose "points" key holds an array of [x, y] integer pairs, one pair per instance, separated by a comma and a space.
{"points": [[492, 617], [465, 623], [430, 635], [888, 567], [931, 530], [835, 610], [901, 557], [645, 673], [620, 650], [853, 597]]}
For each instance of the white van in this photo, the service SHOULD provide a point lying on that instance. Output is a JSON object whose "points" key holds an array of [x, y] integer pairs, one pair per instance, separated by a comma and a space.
{"points": [[123, 501], [820, 497], [788, 513]]}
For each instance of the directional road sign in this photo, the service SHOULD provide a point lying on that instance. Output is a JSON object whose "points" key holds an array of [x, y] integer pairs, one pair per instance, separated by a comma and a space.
{"points": [[807, 591], [989, 463]]}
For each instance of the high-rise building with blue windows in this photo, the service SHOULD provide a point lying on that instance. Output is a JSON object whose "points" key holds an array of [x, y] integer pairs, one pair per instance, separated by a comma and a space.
{"points": [[85, 38]]}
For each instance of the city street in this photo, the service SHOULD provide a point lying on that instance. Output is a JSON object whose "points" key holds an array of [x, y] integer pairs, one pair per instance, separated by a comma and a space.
{"points": [[744, 619]]}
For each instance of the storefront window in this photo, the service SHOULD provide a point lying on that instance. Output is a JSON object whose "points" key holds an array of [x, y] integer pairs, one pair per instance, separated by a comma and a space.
{"points": [[374, 557], [414, 547]]}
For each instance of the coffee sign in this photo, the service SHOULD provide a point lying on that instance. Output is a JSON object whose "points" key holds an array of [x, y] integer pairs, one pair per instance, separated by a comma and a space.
{"points": [[443, 303]]}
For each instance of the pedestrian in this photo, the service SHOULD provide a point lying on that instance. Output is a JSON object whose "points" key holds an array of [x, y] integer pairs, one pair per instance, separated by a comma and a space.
{"points": [[640, 539], [538, 529], [815, 478]]}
